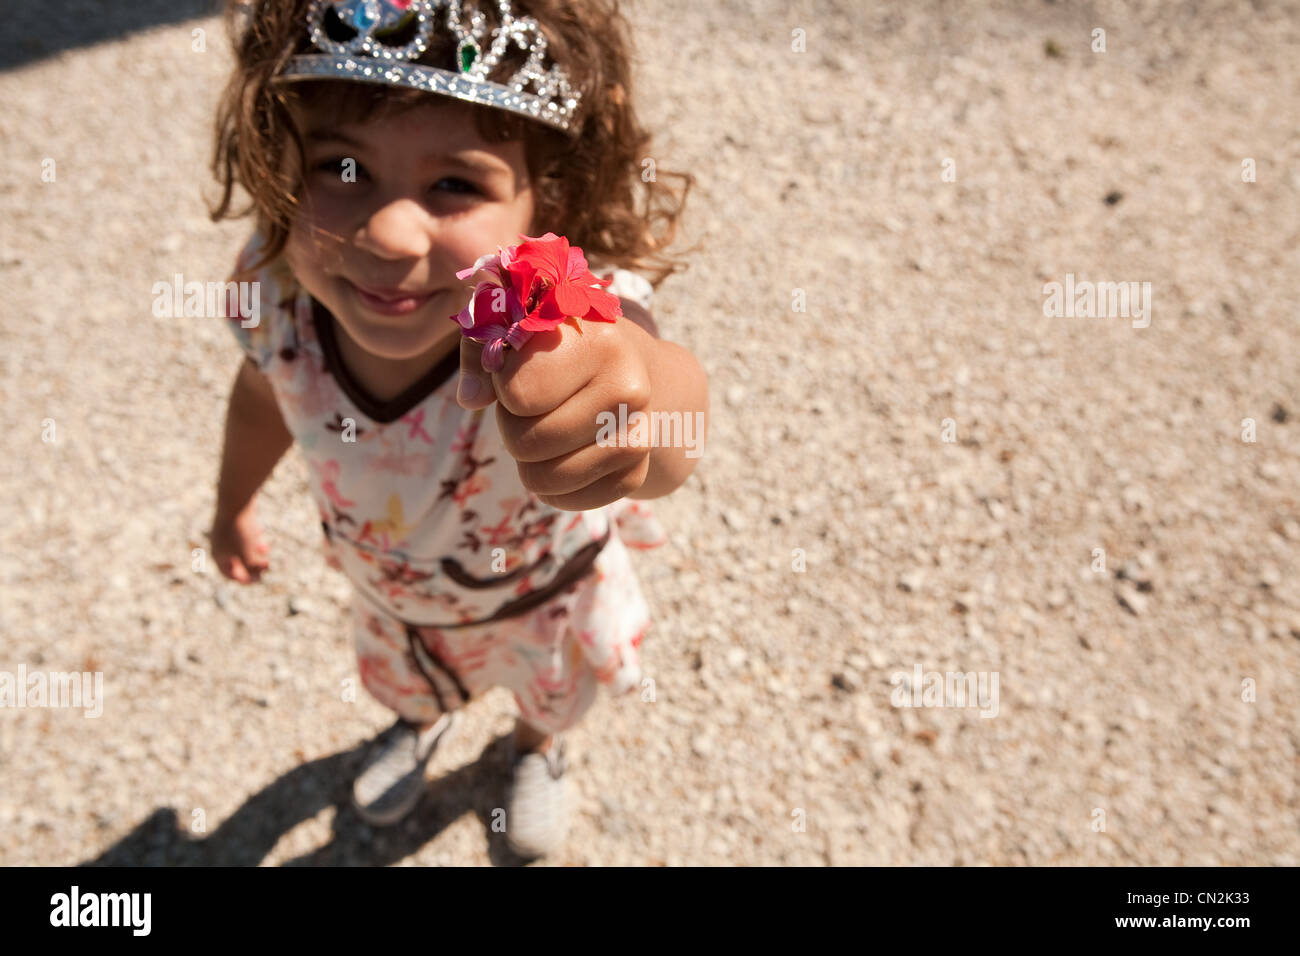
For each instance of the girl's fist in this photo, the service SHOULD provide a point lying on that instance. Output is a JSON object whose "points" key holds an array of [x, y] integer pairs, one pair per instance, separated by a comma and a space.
{"points": [[550, 395]]}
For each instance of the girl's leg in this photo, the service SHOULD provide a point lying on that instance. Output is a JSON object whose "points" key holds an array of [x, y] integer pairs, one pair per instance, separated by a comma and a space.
{"points": [[529, 738], [555, 688], [393, 665], [388, 667], [586, 637]]}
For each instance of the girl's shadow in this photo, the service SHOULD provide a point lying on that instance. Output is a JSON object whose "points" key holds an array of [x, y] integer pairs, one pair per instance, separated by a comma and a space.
{"points": [[256, 827]]}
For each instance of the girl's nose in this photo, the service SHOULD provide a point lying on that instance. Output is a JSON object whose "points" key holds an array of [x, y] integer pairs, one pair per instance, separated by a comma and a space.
{"points": [[397, 230]]}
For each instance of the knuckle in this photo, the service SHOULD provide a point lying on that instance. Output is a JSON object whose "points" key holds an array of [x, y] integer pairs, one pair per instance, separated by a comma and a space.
{"points": [[631, 457], [526, 472], [631, 479], [516, 396], [525, 440], [634, 388]]}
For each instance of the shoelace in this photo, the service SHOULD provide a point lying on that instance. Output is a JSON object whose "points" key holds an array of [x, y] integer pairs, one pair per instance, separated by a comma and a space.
{"points": [[556, 760], [561, 762], [494, 357]]}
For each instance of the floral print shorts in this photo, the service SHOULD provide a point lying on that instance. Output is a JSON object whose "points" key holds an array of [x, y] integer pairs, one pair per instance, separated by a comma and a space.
{"points": [[552, 658]]}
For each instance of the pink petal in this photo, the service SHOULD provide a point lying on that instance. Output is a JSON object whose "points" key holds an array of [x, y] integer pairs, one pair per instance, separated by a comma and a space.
{"points": [[465, 319], [486, 333], [494, 355], [518, 336], [493, 262]]}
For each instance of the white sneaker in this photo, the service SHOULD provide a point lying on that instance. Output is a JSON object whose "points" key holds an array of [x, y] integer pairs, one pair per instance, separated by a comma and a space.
{"points": [[537, 810], [391, 780]]}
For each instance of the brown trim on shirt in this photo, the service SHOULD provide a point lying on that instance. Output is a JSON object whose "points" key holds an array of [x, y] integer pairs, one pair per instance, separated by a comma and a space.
{"points": [[578, 567], [383, 412], [456, 571]]}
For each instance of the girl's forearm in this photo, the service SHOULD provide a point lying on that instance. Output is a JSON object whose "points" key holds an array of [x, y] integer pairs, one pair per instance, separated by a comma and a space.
{"points": [[256, 439]]}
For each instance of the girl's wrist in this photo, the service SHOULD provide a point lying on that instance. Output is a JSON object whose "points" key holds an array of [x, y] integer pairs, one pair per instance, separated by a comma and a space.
{"points": [[229, 513]]}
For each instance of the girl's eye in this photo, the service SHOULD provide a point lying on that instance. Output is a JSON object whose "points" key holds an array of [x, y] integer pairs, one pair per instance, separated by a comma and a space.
{"points": [[341, 167], [458, 186]]}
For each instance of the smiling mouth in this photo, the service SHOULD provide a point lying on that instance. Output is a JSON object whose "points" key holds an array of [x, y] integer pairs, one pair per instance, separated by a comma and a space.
{"points": [[392, 301], [391, 295]]}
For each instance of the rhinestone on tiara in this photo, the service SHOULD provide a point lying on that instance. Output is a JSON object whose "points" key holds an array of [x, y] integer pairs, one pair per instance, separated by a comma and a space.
{"points": [[534, 91]]}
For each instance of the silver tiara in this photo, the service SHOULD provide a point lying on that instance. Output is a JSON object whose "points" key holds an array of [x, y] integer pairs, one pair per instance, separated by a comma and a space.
{"points": [[534, 91]]}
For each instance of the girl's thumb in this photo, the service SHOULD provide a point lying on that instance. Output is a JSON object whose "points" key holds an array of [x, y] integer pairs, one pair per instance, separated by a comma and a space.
{"points": [[471, 390]]}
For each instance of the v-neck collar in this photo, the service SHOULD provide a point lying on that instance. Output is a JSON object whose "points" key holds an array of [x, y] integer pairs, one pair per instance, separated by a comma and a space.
{"points": [[382, 412]]}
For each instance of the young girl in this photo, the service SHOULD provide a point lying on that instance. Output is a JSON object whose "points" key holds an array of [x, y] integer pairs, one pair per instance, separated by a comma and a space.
{"points": [[387, 145]]}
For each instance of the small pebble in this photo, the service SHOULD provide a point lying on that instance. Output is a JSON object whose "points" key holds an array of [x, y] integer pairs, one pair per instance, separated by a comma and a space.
{"points": [[734, 520], [845, 681], [910, 581], [1130, 600]]}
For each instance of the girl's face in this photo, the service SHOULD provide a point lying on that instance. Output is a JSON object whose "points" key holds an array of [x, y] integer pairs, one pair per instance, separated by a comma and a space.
{"points": [[379, 241]]}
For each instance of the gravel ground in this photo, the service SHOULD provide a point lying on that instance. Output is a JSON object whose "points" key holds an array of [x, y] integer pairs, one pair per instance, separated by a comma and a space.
{"points": [[1147, 713]]}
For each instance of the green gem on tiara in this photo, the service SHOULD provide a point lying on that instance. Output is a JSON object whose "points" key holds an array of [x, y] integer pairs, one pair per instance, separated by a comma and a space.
{"points": [[466, 54]]}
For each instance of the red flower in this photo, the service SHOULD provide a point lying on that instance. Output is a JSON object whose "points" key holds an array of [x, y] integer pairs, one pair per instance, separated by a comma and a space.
{"points": [[554, 284], [544, 282]]}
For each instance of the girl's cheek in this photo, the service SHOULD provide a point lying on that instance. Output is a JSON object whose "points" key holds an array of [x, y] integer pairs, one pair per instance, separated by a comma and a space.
{"points": [[323, 209], [311, 250]]}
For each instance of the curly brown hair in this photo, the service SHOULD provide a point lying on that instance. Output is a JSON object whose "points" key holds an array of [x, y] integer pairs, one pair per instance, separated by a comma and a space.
{"points": [[588, 183]]}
